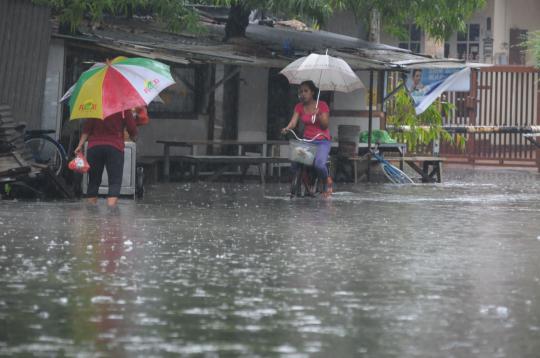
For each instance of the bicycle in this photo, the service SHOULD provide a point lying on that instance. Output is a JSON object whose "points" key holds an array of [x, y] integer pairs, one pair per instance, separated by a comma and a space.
{"points": [[393, 174], [305, 181], [45, 150]]}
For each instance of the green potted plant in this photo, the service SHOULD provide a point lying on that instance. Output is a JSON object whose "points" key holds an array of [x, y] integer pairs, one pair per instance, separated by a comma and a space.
{"points": [[419, 130]]}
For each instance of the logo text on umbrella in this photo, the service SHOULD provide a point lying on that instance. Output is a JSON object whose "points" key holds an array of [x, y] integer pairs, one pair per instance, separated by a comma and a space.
{"points": [[150, 85], [88, 106]]}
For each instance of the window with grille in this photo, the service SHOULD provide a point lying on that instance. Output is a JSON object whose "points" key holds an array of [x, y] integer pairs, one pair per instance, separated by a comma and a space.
{"points": [[178, 100], [413, 43], [468, 43]]}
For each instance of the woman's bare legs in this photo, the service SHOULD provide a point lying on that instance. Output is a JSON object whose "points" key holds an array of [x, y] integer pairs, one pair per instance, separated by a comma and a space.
{"points": [[329, 187], [112, 200]]}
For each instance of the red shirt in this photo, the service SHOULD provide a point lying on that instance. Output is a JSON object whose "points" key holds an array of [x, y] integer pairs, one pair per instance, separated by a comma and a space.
{"points": [[110, 131], [312, 129]]}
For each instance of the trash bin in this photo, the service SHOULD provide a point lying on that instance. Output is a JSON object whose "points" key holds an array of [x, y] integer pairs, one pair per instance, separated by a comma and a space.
{"points": [[129, 181], [348, 139]]}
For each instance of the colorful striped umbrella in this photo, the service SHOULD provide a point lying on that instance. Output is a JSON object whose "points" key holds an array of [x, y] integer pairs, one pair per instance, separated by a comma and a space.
{"points": [[118, 85]]}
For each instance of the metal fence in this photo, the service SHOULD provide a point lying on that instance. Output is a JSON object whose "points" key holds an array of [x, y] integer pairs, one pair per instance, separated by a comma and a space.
{"points": [[499, 96]]}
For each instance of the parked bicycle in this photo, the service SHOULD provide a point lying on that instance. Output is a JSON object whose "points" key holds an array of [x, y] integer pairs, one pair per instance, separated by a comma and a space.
{"points": [[393, 174], [45, 150], [305, 181]]}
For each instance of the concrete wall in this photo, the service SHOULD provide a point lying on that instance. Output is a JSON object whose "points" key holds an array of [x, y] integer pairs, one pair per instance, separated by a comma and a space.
{"points": [[252, 111], [51, 117], [354, 101], [501, 35], [170, 129], [524, 15]]}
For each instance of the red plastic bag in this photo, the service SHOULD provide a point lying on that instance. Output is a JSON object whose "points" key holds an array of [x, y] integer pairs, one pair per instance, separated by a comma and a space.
{"points": [[79, 164], [141, 116]]}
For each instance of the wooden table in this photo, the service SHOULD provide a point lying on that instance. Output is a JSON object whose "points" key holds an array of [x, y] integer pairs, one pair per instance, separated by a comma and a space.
{"points": [[266, 149]]}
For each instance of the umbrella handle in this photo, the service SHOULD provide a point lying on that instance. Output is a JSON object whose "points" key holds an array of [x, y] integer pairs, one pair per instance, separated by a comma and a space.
{"points": [[318, 96], [316, 107]]}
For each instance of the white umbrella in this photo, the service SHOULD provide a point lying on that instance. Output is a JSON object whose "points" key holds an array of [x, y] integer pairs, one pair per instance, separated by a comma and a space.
{"points": [[327, 72]]}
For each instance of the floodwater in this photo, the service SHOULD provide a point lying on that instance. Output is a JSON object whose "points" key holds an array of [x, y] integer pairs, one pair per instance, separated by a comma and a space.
{"points": [[449, 270]]}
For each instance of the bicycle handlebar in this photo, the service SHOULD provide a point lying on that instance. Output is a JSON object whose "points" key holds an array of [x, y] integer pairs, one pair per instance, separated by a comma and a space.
{"points": [[304, 140]]}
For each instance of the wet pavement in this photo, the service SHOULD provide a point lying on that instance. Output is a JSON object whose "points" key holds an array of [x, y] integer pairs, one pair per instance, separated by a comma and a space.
{"points": [[449, 270]]}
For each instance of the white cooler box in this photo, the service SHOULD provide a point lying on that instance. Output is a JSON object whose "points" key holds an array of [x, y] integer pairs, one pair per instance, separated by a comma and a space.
{"points": [[128, 177]]}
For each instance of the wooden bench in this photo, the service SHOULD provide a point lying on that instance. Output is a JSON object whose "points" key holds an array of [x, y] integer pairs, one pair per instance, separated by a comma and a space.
{"points": [[266, 148], [227, 161]]}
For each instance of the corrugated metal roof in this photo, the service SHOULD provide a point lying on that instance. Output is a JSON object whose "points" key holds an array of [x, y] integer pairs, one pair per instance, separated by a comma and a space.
{"points": [[24, 42], [263, 46]]}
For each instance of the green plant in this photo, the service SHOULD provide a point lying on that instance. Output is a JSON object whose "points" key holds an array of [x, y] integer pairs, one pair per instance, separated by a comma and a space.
{"points": [[532, 43], [179, 15], [437, 18], [176, 15], [415, 130]]}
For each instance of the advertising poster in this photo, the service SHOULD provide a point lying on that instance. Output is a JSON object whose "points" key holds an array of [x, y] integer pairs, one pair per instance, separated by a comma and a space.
{"points": [[425, 85]]}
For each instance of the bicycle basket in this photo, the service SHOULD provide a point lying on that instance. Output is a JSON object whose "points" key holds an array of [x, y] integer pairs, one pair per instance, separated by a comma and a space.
{"points": [[302, 152]]}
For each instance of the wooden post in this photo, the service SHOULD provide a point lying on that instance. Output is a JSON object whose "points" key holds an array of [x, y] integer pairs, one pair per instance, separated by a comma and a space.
{"points": [[381, 82], [538, 122], [231, 95], [370, 121], [211, 109], [166, 162], [471, 110]]}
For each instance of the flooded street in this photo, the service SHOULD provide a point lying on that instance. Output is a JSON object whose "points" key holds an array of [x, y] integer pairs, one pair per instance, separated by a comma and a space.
{"points": [[220, 269]]}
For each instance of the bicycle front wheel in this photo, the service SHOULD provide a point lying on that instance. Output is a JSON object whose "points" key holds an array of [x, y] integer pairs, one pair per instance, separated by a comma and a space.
{"points": [[395, 175], [46, 150]]}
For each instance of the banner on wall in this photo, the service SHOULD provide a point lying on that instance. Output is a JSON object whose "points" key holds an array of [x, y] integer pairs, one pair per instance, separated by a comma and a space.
{"points": [[425, 85]]}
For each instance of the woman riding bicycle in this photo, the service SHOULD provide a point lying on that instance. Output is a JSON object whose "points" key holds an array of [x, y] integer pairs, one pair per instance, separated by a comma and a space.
{"points": [[315, 122]]}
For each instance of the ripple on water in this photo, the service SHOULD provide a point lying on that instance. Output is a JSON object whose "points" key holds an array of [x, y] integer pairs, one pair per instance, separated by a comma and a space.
{"points": [[241, 270]]}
